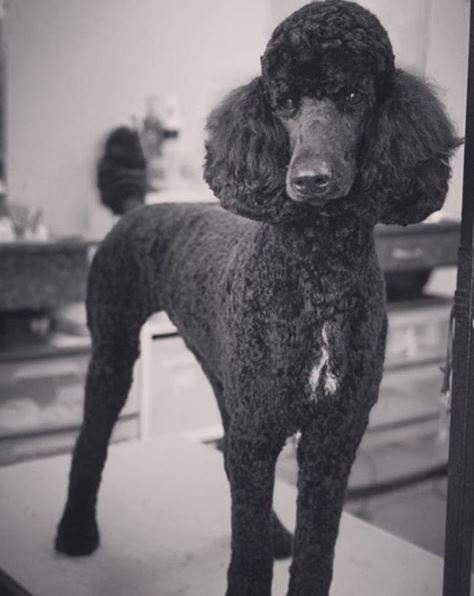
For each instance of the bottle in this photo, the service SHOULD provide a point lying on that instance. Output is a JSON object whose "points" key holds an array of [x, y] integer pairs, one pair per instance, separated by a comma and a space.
{"points": [[152, 135], [3, 199], [172, 157], [7, 230]]}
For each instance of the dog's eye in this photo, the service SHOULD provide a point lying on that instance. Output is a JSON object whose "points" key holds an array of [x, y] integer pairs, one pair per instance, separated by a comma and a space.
{"points": [[353, 98], [287, 106]]}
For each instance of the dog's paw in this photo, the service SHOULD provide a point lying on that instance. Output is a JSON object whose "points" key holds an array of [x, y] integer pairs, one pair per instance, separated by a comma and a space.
{"points": [[282, 540], [77, 540]]}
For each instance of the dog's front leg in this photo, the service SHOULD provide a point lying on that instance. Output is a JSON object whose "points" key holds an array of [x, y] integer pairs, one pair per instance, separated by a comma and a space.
{"points": [[326, 452], [250, 461]]}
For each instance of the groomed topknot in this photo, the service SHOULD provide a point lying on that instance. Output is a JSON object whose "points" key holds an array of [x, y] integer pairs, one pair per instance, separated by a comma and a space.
{"points": [[324, 37]]}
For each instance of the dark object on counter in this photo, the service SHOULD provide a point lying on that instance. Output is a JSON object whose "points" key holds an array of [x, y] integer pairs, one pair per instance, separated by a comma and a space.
{"points": [[42, 275], [24, 327], [406, 285], [121, 172], [284, 308], [408, 254]]}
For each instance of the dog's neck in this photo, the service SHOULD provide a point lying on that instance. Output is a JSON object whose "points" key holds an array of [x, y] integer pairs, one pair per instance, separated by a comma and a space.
{"points": [[325, 260], [346, 238]]}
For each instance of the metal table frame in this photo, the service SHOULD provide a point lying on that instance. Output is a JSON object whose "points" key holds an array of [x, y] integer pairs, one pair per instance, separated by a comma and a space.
{"points": [[460, 505]]}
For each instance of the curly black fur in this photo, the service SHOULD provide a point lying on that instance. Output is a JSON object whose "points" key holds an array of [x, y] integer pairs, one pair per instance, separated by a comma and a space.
{"points": [[406, 151], [323, 50], [285, 310], [317, 49], [121, 172]]}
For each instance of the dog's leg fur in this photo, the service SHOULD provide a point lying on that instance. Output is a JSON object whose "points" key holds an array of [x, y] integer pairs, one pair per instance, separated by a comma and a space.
{"points": [[322, 481], [108, 382], [250, 461], [115, 314]]}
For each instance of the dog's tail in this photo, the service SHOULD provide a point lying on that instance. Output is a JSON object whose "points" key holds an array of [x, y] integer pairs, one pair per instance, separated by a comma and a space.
{"points": [[121, 171]]}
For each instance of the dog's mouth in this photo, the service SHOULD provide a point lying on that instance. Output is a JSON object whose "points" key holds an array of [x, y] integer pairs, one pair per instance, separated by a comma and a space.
{"points": [[314, 199], [319, 196]]}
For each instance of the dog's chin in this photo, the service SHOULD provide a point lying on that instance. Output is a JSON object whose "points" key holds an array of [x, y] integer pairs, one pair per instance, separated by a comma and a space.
{"points": [[333, 208], [327, 202], [332, 202]]}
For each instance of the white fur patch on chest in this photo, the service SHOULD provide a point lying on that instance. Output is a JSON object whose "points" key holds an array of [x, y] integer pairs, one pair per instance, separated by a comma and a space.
{"points": [[322, 377]]}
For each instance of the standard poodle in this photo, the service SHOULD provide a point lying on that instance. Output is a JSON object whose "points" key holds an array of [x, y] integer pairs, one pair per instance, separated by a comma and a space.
{"points": [[279, 295]]}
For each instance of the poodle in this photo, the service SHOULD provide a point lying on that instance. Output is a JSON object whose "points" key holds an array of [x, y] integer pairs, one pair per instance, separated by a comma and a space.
{"points": [[279, 295]]}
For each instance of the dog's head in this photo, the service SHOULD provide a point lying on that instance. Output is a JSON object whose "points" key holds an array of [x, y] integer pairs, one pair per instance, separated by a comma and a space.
{"points": [[331, 127]]}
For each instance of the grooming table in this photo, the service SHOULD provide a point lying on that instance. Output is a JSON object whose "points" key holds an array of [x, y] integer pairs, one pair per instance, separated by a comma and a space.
{"points": [[164, 514]]}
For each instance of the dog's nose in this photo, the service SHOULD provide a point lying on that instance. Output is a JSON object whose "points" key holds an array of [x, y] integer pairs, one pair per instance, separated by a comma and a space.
{"points": [[312, 182]]}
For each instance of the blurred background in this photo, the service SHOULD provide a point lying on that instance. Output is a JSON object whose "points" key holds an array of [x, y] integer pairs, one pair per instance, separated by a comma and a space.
{"points": [[76, 70]]}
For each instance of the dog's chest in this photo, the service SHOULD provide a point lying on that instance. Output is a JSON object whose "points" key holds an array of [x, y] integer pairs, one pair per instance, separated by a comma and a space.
{"points": [[287, 289], [304, 326], [322, 331], [325, 371]]}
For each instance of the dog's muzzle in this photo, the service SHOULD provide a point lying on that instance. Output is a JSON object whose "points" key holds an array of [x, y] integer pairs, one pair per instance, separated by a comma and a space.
{"points": [[308, 184], [320, 183]]}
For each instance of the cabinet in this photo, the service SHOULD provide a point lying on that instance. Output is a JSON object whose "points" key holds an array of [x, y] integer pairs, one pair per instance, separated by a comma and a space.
{"points": [[41, 398]]}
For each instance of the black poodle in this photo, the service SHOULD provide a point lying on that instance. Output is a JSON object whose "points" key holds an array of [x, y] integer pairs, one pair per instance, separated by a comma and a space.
{"points": [[281, 301]]}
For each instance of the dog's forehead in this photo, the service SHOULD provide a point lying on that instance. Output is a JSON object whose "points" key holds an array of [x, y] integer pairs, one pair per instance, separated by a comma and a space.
{"points": [[326, 76], [325, 38]]}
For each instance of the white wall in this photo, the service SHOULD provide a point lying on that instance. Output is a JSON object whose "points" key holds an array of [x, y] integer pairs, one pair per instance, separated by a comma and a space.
{"points": [[77, 68], [446, 63]]}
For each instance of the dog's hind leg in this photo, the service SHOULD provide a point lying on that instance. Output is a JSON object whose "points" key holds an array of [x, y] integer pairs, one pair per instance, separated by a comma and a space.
{"points": [[115, 325], [108, 382]]}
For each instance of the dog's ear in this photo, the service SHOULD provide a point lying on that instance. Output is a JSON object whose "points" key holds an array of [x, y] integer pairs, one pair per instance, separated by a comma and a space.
{"points": [[408, 143], [247, 154]]}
